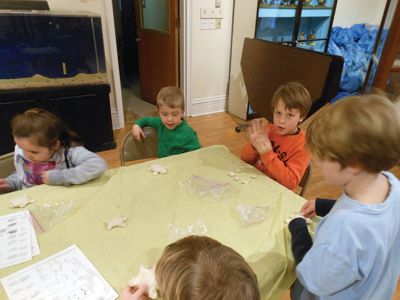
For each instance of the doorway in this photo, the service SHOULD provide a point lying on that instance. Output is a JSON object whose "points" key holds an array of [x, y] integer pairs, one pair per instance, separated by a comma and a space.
{"points": [[141, 52]]}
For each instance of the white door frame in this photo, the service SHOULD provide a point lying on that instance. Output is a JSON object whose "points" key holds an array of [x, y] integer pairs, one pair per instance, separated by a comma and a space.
{"points": [[114, 63], [185, 44]]}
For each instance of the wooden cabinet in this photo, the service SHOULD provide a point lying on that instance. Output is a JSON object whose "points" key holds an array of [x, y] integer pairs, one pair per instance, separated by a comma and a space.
{"points": [[85, 109]]}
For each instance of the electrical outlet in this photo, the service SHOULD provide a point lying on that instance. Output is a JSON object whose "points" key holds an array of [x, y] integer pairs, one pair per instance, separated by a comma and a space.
{"points": [[207, 24]]}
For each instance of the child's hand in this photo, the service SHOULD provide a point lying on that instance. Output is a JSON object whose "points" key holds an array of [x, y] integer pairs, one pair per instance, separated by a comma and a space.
{"points": [[45, 177], [258, 136], [4, 185], [308, 209], [137, 132], [134, 293]]}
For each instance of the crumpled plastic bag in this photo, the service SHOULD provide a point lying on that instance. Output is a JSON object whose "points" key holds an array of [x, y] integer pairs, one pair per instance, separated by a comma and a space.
{"points": [[355, 45]]}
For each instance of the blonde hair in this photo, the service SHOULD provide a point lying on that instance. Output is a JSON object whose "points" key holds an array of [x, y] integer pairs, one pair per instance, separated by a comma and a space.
{"points": [[358, 131], [170, 96], [295, 96], [198, 268], [43, 128]]}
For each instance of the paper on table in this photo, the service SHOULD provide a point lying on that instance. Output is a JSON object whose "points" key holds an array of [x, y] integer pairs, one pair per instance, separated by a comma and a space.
{"points": [[17, 239], [64, 275]]}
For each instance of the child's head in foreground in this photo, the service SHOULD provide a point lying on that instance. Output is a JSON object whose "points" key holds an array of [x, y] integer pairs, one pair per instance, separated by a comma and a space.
{"points": [[198, 268], [39, 133], [358, 131], [170, 105], [290, 105]]}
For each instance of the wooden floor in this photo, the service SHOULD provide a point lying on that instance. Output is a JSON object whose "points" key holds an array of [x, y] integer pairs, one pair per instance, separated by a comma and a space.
{"points": [[219, 128]]}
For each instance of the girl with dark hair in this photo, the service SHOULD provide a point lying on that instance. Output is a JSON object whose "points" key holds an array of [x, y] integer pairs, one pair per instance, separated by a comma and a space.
{"points": [[46, 151]]}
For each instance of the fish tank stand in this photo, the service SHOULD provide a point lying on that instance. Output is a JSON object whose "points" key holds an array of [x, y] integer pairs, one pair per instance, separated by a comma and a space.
{"points": [[84, 108]]}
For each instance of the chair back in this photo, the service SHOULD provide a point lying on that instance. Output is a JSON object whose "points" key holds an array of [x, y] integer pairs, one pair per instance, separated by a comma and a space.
{"points": [[6, 164], [305, 180], [133, 149]]}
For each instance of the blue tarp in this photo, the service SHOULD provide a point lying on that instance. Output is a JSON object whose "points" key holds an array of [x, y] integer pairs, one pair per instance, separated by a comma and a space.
{"points": [[355, 45]]}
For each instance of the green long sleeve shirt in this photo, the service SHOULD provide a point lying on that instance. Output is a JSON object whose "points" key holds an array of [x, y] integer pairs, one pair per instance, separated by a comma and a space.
{"points": [[181, 139]]}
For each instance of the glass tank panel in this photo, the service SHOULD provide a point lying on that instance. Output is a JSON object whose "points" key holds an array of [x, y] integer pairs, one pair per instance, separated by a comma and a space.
{"points": [[44, 49], [313, 45], [288, 21], [315, 20]]}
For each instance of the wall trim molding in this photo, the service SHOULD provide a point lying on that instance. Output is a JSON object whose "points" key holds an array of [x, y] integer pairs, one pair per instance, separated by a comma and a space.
{"points": [[118, 121], [208, 105], [115, 118]]}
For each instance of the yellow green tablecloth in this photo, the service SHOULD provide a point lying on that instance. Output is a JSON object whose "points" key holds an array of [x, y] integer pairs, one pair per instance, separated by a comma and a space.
{"points": [[153, 203]]}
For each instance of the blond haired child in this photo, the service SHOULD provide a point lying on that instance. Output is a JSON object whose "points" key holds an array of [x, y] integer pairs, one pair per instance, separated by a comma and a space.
{"points": [[356, 249], [198, 268], [175, 136], [278, 149], [46, 151]]}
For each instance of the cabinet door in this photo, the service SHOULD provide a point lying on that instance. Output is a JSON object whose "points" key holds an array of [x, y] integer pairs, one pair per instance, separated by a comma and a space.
{"points": [[276, 20], [89, 116], [315, 23], [302, 23], [7, 111]]}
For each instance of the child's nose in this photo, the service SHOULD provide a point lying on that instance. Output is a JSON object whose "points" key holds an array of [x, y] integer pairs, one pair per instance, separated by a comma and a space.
{"points": [[281, 119]]}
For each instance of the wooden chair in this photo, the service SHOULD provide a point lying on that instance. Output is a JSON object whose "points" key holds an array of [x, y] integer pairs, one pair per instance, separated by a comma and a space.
{"points": [[6, 164], [305, 180], [132, 149]]}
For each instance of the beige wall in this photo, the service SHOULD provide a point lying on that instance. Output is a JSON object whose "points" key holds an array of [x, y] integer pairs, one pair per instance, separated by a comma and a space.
{"points": [[208, 58], [97, 7], [244, 24], [349, 12]]}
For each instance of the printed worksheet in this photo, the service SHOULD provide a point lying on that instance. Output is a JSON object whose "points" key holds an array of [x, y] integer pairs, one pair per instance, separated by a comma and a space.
{"points": [[17, 239], [67, 275]]}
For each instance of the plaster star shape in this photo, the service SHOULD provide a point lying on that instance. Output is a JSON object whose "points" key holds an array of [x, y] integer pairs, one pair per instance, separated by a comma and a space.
{"points": [[158, 169], [19, 202], [116, 222], [147, 277], [231, 174]]}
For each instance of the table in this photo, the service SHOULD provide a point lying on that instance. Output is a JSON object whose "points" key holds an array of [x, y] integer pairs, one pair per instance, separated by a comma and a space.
{"points": [[152, 203]]}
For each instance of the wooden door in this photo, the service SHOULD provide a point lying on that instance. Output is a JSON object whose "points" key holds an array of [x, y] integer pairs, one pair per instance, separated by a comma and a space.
{"points": [[157, 39]]}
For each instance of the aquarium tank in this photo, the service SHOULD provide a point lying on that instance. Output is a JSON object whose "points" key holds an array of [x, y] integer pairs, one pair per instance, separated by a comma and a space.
{"points": [[48, 49]]}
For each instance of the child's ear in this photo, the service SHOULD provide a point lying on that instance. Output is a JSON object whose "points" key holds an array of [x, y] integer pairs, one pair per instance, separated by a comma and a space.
{"points": [[355, 169], [56, 145]]}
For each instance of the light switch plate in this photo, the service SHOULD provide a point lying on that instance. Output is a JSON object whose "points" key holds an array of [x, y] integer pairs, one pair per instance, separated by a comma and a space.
{"points": [[210, 13]]}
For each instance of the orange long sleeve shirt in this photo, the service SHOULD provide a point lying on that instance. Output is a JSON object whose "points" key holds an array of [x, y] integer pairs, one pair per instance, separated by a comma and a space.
{"points": [[287, 160]]}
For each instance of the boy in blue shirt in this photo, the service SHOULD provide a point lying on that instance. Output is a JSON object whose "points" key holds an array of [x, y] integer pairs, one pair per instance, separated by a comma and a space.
{"points": [[356, 249]]}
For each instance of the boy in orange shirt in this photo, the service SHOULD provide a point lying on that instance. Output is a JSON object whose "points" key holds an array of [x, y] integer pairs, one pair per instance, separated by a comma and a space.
{"points": [[278, 149]]}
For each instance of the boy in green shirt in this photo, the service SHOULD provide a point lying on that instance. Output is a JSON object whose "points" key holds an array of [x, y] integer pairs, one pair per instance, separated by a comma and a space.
{"points": [[175, 136]]}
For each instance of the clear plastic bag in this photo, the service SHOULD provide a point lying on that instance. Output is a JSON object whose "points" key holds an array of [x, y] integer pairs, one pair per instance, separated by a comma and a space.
{"points": [[201, 186], [177, 232], [249, 214], [47, 215]]}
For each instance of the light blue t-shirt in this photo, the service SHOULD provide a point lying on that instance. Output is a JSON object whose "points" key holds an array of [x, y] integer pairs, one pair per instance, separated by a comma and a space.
{"points": [[356, 250]]}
